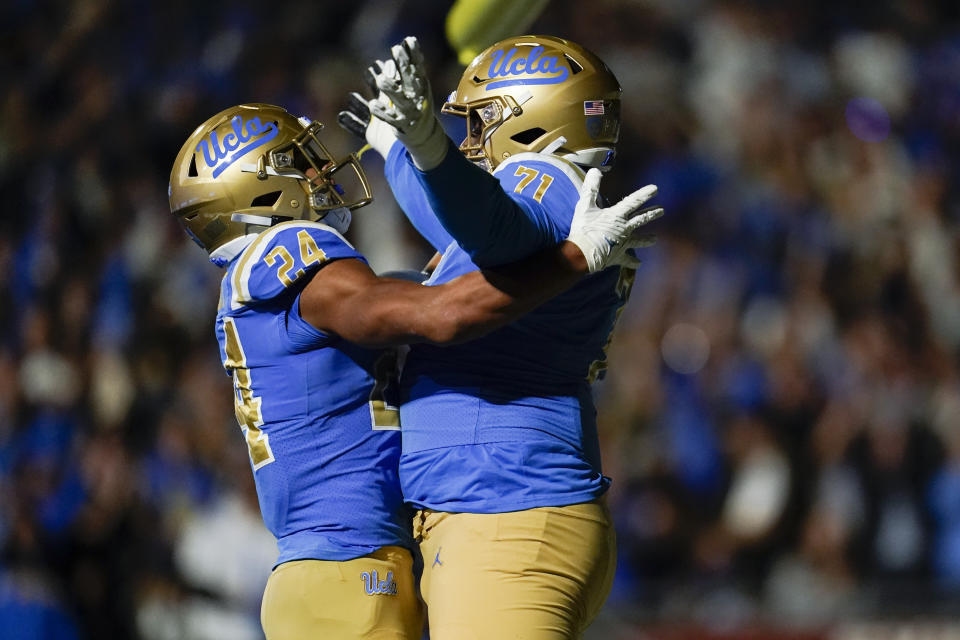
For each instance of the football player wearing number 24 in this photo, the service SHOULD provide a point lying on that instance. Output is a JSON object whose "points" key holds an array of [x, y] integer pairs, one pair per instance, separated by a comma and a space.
{"points": [[500, 450], [304, 328]]}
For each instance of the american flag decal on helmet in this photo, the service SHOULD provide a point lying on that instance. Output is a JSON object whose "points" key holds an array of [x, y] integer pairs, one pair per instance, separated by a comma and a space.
{"points": [[593, 107]]}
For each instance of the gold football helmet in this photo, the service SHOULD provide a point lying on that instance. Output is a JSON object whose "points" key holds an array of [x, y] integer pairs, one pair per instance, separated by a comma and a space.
{"points": [[254, 165], [538, 93]]}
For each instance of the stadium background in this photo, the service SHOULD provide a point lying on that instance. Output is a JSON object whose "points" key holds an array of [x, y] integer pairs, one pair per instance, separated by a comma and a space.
{"points": [[782, 413]]}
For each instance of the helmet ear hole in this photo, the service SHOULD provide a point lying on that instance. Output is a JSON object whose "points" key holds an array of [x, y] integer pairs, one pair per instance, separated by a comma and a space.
{"points": [[527, 136], [266, 199], [192, 171]]}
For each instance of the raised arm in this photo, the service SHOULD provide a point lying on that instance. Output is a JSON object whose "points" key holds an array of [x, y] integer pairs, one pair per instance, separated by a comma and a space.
{"points": [[472, 206], [410, 195], [400, 174], [346, 298], [469, 203], [495, 219]]}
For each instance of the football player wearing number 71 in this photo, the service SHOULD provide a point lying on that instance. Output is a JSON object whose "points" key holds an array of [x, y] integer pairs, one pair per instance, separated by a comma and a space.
{"points": [[304, 328], [500, 451]]}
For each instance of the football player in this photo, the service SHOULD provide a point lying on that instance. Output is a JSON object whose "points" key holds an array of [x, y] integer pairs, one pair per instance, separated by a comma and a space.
{"points": [[300, 324], [500, 451]]}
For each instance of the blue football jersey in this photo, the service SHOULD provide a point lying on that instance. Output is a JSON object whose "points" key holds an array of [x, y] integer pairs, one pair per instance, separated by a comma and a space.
{"points": [[507, 422], [316, 411]]}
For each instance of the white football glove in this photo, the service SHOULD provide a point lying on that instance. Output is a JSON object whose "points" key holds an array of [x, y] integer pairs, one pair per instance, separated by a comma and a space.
{"points": [[404, 103], [605, 235]]}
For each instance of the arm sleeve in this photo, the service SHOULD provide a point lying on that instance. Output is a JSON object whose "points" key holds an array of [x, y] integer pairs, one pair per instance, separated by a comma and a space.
{"points": [[495, 219], [410, 196]]}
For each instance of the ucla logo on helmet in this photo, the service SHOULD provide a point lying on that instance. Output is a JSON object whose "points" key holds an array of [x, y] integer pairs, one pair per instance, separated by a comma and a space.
{"points": [[525, 70], [220, 154]]}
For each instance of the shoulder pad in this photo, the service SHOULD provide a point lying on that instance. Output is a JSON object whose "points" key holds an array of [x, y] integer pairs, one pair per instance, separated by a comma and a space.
{"points": [[282, 255], [549, 180]]}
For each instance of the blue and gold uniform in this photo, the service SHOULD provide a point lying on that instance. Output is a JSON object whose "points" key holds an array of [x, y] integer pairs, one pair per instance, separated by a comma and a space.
{"points": [[500, 448], [324, 442], [496, 417]]}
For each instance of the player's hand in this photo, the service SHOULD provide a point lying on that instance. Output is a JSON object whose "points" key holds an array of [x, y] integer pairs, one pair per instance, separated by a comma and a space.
{"points": [[356, 119], [405, 104], [605, 236]]}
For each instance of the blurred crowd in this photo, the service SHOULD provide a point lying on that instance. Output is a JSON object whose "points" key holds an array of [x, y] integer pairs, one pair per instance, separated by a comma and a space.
{"points": [[781, 416]]}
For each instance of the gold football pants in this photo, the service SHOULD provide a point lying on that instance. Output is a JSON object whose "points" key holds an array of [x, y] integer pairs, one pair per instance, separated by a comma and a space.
{"points": [[539, 574], [371, 597]]}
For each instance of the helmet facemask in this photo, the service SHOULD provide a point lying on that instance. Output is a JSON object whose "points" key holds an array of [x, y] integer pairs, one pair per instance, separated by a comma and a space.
{"points": [[482, 119], [306, 158]]}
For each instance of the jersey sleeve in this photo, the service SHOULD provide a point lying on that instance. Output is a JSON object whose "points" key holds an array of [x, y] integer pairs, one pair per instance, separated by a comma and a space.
{"points": [[545, 184], [282, 256], [412, 199], [501, 218]]}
